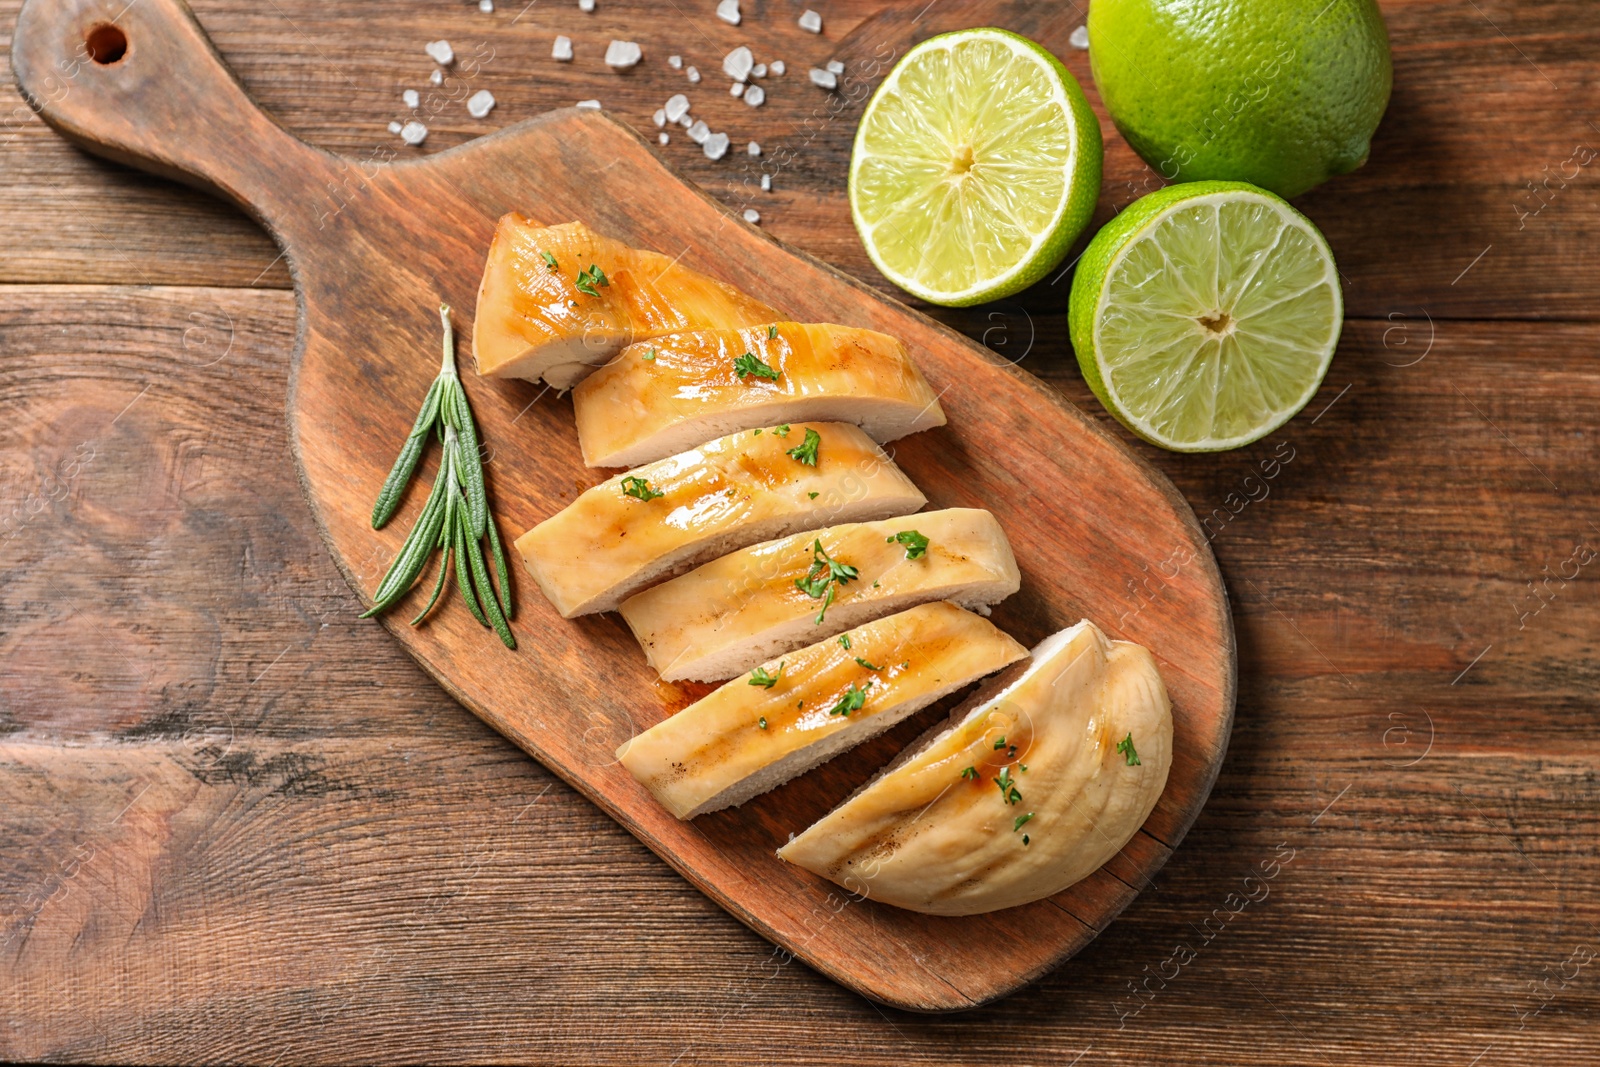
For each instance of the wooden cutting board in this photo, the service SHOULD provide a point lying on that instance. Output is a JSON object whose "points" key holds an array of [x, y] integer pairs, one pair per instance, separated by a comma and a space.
{"points": [[374, 247]]}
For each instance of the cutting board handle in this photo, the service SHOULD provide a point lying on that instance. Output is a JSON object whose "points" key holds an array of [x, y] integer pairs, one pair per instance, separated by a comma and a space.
{"points": [[139, 82]]}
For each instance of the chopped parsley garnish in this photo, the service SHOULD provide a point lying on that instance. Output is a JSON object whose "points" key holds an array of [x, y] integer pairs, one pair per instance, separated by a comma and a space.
{"points": [[999, 743], [1024, 839], [749, 364], [588, 279], [1129, 753], [916, 544], [772, 333], [812, 495], [758, 432], [844, 639], [1017, 825], [1008, 786], [650, 356], [781, 431], [824, 578], [970, 772], [549, 260], [760, 677], [906, 665], [851, 701], [867, 665], [806, 451], [763, 722], [639, 487]]}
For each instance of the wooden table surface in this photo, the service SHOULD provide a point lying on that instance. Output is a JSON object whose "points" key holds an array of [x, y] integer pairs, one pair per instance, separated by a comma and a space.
{"points": [[237, 823]]}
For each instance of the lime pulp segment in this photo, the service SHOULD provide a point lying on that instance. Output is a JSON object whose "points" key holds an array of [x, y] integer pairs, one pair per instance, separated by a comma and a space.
{"points": [[1217, 321]]}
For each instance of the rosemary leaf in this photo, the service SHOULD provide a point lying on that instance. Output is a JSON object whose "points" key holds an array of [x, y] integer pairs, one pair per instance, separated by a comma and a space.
{"points": [[405, 464], [461, 533], [438, 587], [480, 580], [502, 577]]}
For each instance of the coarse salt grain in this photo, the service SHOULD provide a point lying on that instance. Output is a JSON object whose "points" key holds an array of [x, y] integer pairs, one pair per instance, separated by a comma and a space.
{"points": [[716, 146], [755, 96], [561, 51], [662, 137], [737, 63], [810, 21], [410, 98], [436, 78], [728, 11], [440, 52], [623, 55], [766, 183], [693, 75], [686, 120], [675, 62], [699, 132], [677, 107], [736, 89], [1080, 38], [825, 79], [486, 6], [394, 127], [834, 66], [758, 71], [588, 105], [777, 67], [753, 148], [752, 216], [586, 6], [413, 133], [660, 117], [480, 103]]}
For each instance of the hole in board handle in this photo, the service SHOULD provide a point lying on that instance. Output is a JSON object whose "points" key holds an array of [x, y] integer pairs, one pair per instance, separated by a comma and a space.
{"points": [[106, 44]]}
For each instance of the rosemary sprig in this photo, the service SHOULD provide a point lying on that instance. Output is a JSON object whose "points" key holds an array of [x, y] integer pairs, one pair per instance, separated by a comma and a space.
{"points": [[456, 517]]}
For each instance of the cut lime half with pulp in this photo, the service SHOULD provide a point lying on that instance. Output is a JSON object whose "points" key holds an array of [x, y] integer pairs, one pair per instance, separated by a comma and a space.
{"points": [[975, 167], [1206, 314]]}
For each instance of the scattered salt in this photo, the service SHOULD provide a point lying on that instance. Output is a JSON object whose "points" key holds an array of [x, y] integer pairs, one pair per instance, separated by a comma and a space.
{"points": [[394, 127], [486, 6], [660, 117], [677, 107], [411, 98], [1080, 38], [675, 62], [686, 120], [622, 55], [699, 132], [752, 216], [561, 52], [766, 183], [825, 79], [588, 105], [834, 66], [693, 75], [755, 96], [436, 78], [480, 103], [662, 137], [811, 22], [440, 52], [758, 71], [413, 133], [728, 11], [777, 67], [753, 148], [737, 88], [586, 5], [716, 146], [737, 63]]}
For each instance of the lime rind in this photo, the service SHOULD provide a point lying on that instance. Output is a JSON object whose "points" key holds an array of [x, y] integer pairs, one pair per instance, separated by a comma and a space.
{"points": [[1206, 315], [975, 167]]}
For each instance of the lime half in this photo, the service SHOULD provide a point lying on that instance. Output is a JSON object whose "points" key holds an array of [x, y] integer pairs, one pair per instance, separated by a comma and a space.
{"points": [[1205, 315], [975, 167]]}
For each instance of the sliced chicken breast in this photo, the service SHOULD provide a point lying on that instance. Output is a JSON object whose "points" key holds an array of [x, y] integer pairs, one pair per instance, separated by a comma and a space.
{"points": [[1039, 779], [665, 517], [727, 616], [670, 394], [760, 730], [558, 301]]}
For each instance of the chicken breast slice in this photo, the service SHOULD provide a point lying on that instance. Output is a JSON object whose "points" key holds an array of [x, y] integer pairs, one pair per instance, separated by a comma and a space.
{"points": [[727, 616], [544, 312], [760, 730], [1040, 779], [676, 391], [666, 517]]}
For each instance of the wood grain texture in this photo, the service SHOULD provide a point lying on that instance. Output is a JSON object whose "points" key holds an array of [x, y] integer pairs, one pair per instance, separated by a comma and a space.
{"points": [[373, 248], [364, 879]]}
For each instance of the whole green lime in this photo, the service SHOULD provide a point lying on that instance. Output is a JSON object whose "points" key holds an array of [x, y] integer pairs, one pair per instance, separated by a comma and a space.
{"points": [[1283, 94]]}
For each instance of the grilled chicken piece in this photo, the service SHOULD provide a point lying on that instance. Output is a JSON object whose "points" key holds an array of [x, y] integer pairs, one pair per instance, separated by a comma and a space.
{"points": [[538, 317], [674, 392], [726, 616], [1039, 779], [759, 731], [612, 541]]}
